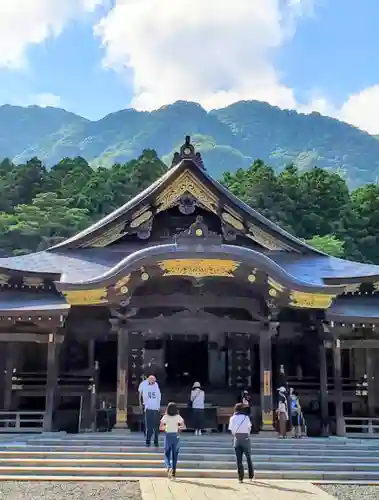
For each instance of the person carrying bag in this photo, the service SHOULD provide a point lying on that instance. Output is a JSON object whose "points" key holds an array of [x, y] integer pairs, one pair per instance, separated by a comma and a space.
{"points": [[197, 403], [240, 427]]}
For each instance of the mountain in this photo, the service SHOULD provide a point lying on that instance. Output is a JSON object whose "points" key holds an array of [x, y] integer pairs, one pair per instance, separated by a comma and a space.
{"points": [[228, 138]]}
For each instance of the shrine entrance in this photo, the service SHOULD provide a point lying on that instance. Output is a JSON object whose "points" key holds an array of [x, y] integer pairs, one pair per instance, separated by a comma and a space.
{"points": [[186, 361]]}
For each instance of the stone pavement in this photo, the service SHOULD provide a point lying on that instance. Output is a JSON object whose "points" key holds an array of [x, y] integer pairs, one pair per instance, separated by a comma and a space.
{"points": [[224, 489]]}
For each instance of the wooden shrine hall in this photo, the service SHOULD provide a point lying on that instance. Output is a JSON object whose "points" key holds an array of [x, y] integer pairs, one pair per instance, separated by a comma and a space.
{"points": [[189, 283]]}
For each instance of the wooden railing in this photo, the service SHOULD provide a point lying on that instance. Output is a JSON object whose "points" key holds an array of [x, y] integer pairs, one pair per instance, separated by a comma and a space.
{"points": [[21, 421], [313, 383], [29, 380], [362, 426]]}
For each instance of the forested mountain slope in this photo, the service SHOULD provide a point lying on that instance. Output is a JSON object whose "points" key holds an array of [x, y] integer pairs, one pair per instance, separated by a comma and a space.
{"points": [[228, 138]]}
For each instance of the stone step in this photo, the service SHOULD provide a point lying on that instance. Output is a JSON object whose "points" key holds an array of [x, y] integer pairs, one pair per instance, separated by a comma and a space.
{"points": [[216, 457], [37, 473], [206, 441], [295, 451], [116, 465]]}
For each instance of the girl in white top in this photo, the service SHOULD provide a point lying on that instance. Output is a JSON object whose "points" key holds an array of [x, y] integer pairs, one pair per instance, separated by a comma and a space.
{"points": [[197, 399], [172, 423]]}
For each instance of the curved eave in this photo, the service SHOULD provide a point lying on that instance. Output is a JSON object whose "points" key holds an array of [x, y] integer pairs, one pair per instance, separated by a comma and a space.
{"points": [[151, 255], [354, 310], [24, 304]]}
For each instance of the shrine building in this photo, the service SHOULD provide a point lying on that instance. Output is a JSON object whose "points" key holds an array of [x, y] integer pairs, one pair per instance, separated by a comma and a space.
{"points": [[189, 283]]}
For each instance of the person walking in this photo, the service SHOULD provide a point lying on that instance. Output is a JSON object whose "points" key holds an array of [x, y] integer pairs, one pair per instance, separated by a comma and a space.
{"points": [[171, 423], [197, 401], [150, 399], [282, 412], [296, 415], [240, 427]]}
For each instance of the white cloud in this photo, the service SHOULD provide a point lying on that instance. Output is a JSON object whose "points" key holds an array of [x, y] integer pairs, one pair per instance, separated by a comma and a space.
{"points": [[362, 110], [45, 99], [29, 22], [214, 52]]}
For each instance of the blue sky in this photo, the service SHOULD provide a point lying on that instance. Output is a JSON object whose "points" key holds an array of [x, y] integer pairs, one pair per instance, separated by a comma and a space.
{"points": [[96, 57]]}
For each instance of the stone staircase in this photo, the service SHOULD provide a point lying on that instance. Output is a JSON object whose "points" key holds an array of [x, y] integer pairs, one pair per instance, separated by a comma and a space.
{"points": [[112, 456]]}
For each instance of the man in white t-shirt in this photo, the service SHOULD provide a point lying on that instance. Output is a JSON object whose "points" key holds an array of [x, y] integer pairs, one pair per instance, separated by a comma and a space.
{"points": [[150, 399]]}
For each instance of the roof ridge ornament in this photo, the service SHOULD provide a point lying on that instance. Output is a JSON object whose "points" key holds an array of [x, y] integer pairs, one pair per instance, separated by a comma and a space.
{"points": [[188, 152]]}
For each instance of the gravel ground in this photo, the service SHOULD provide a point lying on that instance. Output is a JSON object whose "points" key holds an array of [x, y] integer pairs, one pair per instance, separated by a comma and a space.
{"points": [[351, 491], [67, 490]]}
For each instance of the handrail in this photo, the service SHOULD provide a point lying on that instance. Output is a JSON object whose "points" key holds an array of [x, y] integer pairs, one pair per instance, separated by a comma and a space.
{"points": [[21, 421], [367, 428]]}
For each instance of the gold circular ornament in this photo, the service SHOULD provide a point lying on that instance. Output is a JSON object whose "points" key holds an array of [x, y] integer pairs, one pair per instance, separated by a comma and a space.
{"points": [[144, 276], [199, 232], [187, 151], [124, 289], [272, 292], [251, 278]]}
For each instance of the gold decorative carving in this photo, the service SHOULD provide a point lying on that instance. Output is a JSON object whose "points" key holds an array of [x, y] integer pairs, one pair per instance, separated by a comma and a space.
{"points": [[141, 219], [275, 285], [107, 237], [266, 240], [187, 182], [121, 283], [272, 292], [4, 278], [199, 268], [310, 300], [32, 281], [376, 286], [232, 221], [267, 418], [86, 297], [121, 416], [267, 383]]}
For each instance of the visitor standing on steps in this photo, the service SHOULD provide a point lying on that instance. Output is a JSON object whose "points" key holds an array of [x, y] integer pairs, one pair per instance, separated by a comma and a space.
{"points": [[240, 427], [172, 423], [282, 412], [150, 395], [197, 402]]}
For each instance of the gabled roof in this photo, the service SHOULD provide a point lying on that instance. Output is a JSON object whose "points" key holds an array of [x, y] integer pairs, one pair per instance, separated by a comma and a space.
{"points": [[188, 176]]}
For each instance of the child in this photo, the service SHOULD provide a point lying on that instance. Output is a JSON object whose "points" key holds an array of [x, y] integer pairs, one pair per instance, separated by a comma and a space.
{"points": [[171, 423]]}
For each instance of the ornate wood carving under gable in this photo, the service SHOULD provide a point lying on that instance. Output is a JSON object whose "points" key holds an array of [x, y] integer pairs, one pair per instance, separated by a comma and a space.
{"points": [[33, 282], [107, 237], [354, 288], [4, 278], [266, 240], [187, 183]]}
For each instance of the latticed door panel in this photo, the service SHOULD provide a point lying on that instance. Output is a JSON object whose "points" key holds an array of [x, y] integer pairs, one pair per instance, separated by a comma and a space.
{"points": [[136, 349], [240, 360]]}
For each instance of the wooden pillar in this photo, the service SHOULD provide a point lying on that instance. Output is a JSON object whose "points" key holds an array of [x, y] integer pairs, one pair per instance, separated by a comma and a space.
{"points": [[338, 397], [93, 366], [51, 383], [265, 361], [122, 378], [324, 407], [371, 403], [9, 366]]}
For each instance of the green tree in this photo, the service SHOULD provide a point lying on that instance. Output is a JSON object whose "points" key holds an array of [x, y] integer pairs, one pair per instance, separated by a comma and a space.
{"points": [[45, 222], [328, 244]]}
